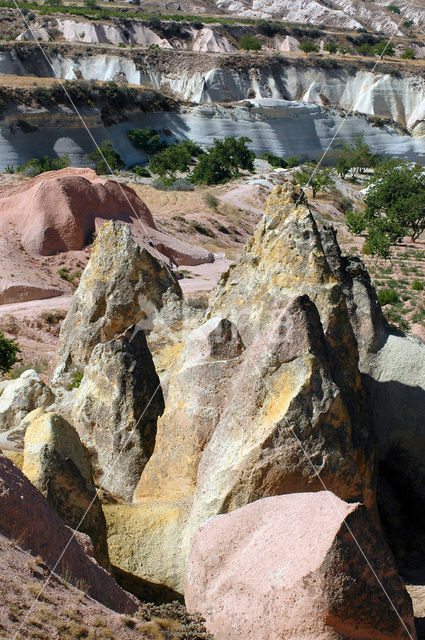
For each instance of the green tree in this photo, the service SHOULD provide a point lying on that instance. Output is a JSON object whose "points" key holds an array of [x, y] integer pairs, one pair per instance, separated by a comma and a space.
{"points": [[330, 46], [356, 157], [167, 162], [223, 161], [393, 8], [408, 54], [9, 350], [249, 43], [307, 46], [355, 221], [384, 48], [106, 158], [312, 176], [395, 200], [275, 160], [147, 139]]}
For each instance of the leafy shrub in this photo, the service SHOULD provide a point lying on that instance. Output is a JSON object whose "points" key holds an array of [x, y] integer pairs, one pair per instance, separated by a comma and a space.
{"points": [[315, 178], [149, 140], [76, 378], [35, 166], [249, 43], [418, 285], [107, 160], [407, 24], [9, 350], [393, 8], [330, 46], [356, 222], [181, 184], [167, 162], [307, 46], [66, 275], [143, 172], [274, 160], [223, 161], [292, 161], [387, 296], [408, 54]]}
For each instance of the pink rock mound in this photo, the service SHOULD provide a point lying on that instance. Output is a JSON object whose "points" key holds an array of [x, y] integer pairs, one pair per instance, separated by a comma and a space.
{"points": [[29, 519], [288, 567], [60, 211]]}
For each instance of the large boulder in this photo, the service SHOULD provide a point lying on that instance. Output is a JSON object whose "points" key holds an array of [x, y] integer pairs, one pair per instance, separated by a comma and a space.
{"points": [[116, 410], [393, 371], [120, 286], [61, 210], [299, 567], [57, 464], [20, 396], [28, 519]]}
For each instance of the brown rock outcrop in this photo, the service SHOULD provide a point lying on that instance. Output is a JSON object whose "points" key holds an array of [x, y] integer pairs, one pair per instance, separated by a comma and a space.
{"points": [[116, 410], [56, 463], [61, 210], [28, 518], [289, 567], [119, 282]]}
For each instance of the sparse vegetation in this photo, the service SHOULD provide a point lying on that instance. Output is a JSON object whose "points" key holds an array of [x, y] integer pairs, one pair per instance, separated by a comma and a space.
{"points": [[316, 178], [66, 275], [76, 378]]}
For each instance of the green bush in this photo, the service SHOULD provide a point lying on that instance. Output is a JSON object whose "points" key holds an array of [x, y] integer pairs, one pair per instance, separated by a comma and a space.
{"points": [[408, 54], [274, 160], [356, 221], [149, 140], [418, 285], [107, 160], [292, 161], [35, 166], [249, 43], [223, 161], [307, 46], [167, 162], [387, 296], [330, 46], [393, 8], [9, 350], [76, 379], [143, 172]]}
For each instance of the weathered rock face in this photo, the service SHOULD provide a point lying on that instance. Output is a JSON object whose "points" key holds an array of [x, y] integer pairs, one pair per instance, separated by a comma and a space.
{"points": [[19, 397], [56, 463], [120, 280], [116, 410], [393, 368], [28, 518], [267, 393], [288, 567]]}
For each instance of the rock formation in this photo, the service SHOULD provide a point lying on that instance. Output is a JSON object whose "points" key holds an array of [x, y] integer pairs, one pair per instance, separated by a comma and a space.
{"points": [[266, 396], [56, 463], [61, 210], [289, 567], [393, 368], [116, 410], [119, 282], [28, 519], [20, 396]]}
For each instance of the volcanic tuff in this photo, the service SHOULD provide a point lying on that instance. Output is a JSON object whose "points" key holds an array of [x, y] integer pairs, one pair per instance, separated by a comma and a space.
{"points": [[271, 376]]}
